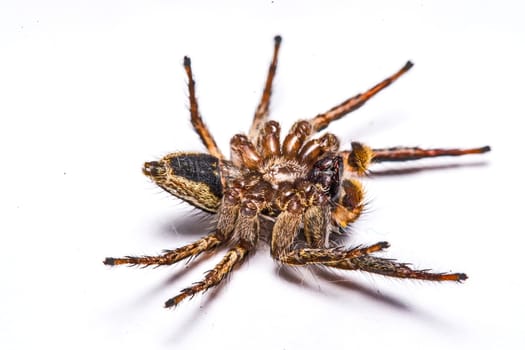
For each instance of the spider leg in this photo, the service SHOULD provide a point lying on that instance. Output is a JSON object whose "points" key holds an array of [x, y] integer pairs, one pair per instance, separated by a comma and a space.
{"points": [[314, 149], [247, 229], [261, 113], [285, 230], [241, 219], [359, 159], [269, 142], [389, 267], [315, 225], [295, 139], [401, 154], [326, 256], [171, 256], [233, 257], [321, 121], [225, 225], [351, 259], [196, 119], [243, 153], [349, 204]]}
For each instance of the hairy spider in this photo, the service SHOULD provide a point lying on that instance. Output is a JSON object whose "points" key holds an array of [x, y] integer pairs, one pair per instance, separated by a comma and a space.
{"points": [[304, 186]]}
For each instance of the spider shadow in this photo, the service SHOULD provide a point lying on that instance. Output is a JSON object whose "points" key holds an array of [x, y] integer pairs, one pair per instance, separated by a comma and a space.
{"points": [[290, 275], [165, 285], [347, 284], [207, 298], [421, 168], [193, 223], [333, 278], [376, 296]]}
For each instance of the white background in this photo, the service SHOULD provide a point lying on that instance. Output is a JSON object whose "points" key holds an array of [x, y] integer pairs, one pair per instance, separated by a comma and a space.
{"points": [[89, 90]]}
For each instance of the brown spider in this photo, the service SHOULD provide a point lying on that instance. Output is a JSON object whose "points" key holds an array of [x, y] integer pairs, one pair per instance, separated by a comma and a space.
{"points": [[305, 187]]}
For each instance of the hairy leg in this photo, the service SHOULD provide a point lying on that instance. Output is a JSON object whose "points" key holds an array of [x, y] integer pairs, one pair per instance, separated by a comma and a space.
{"points": [[285, 230], [389, 267], [401, 154], [326, 256], [359, 159], [227, 215], [315, 225], [196, 119], [233, 257], [261, 113], [247, 229], [321, 121], [349, 204], [171, 256]]}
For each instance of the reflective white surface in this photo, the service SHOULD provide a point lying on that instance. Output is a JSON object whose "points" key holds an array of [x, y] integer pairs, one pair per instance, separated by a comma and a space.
{"points": [[91, 89]]}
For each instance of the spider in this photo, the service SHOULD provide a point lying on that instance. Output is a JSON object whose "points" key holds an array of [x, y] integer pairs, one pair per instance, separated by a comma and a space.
{"points": [[304, 186]]}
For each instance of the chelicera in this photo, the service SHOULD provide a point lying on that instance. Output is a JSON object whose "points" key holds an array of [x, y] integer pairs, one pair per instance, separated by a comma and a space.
{"points": [[303, 185]]}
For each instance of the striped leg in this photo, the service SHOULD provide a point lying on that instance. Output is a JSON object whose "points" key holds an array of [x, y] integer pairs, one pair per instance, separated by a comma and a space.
{"points": [[321, 121], [359, 159], [234, 257], [247, 229], [401, 154], [170, 256], [312, 256], [261, 113], [196, 119], [389, 267]]}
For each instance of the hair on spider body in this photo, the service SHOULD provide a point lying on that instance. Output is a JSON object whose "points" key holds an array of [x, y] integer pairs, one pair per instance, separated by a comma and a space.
{"points": [[301, 188]]}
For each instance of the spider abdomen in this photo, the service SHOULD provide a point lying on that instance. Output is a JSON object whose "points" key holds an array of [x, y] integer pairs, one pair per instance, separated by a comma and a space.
{"points": [[192, 177]]}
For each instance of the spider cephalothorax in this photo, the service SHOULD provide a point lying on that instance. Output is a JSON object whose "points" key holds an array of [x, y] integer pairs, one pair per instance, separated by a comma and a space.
{"points": [[302, 184]]}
